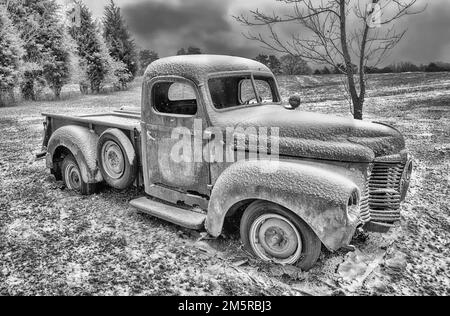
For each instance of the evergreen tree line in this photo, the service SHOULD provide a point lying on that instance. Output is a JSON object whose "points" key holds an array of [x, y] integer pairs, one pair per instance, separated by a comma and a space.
{"points": [[40, 48]]}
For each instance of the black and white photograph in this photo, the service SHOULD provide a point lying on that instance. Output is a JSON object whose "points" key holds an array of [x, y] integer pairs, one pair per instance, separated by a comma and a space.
{"points": [[225, 154]]}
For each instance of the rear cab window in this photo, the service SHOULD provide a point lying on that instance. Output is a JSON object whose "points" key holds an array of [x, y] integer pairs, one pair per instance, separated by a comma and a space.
{"points": [[176, 98]]}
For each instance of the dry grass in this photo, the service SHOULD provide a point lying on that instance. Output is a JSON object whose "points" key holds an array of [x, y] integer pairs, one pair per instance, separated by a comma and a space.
{"points": [[55, 242]]}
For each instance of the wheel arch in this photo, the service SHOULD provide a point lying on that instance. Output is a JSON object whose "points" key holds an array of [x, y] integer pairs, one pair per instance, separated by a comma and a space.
{"points": [[316, 196], [82, 144]]}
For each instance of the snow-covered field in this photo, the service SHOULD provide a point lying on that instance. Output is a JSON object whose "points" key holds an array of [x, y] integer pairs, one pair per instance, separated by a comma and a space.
{"points": [[55, 242]]}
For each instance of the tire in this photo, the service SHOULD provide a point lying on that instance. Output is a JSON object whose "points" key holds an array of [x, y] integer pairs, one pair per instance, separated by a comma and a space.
{"points": [[117, 159], [296, 243], [72, 178]]}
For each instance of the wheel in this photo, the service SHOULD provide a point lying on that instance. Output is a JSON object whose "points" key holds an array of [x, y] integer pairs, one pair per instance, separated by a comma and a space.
{"points": [[72, 178], [272, 233], [117, 159]]}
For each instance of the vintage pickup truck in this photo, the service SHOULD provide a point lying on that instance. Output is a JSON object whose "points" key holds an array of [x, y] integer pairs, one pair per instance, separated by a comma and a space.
{"points": [[322, 178]]}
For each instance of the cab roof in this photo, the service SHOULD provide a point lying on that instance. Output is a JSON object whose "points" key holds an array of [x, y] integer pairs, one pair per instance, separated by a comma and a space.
{"points": [[198, 67]]}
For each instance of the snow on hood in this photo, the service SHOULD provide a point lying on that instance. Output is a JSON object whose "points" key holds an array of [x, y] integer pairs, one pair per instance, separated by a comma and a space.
{"points": [[319, 136]]}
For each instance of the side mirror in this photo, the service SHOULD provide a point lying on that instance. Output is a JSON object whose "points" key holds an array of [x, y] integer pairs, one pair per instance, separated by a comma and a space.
{"points": [[294, 102]]}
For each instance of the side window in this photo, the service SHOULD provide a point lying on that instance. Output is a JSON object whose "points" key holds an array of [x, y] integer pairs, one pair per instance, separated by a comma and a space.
{"points": [[174, 98]]}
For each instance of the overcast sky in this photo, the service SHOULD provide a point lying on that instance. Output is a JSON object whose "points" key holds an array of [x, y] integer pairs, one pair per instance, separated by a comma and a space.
{"points": [[167, 25]]}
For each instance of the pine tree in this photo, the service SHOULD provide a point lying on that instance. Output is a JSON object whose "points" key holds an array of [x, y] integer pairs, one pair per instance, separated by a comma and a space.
{"points": [[11, 52], [27, 18], [118, 75], [92, 57], [56, 64], [119, 41], [46, 59]]}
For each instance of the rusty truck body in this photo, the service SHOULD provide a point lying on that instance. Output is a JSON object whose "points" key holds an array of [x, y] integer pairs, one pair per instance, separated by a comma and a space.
{"points": [[330, 175]]}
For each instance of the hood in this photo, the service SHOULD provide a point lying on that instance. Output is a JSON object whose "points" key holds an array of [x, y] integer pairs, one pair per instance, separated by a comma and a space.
{"points": [[314, 135]]}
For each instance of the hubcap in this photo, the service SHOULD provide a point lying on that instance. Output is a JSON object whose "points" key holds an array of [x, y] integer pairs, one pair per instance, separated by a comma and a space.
{"points": [[275, 238], [113, 160], [73, 177]]}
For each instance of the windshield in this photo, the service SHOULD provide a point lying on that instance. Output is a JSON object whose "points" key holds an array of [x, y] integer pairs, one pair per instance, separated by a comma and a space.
{"points": [[232, 91]]}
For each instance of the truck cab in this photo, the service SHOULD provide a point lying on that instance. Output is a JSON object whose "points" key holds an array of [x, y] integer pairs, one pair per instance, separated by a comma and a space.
{"points": [[212, 141]]}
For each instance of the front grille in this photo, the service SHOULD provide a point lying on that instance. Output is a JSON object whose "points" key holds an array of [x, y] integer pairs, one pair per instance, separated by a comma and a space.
{"points": [[384, 192]]}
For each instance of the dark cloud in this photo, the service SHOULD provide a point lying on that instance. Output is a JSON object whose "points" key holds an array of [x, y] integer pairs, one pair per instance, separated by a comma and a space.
{"points": [[149, 18], [428, 36], [167, 25]]}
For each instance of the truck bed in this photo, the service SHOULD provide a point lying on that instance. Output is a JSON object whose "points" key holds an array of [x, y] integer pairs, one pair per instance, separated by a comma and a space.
{"points": [[125, 119]]}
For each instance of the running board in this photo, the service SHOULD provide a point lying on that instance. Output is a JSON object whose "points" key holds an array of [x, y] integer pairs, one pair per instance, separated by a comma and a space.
{"points": [[179, 216]]}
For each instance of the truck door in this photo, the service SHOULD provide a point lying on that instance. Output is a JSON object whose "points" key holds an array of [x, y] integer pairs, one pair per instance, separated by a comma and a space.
{"points": [[172, 124]]}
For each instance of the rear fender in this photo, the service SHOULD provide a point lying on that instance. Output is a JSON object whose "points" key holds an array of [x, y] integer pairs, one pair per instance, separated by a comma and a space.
{"points": [[82, 143], [319, 197]]}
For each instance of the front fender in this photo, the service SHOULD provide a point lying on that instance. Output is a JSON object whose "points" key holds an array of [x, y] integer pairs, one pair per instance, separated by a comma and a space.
{"points": [[319, 197], [82, 143]]}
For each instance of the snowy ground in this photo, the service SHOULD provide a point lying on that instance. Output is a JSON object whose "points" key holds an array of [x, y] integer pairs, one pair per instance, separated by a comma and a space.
{"points": [[55, 242]]}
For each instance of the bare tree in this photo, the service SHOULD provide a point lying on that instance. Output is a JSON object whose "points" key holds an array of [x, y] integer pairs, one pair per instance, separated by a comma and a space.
{"points": [[328, 40]]}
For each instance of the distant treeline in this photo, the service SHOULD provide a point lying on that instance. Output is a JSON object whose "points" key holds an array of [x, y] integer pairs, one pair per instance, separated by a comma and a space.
{"points": [[394, 68], [295, 65]]}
